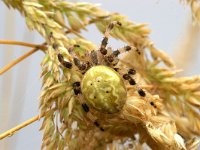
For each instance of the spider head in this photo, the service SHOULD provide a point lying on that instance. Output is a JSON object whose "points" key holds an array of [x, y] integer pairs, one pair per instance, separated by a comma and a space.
{"points": [[104, 89]]}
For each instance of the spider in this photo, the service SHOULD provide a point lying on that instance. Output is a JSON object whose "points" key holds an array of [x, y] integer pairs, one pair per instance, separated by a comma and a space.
{"points": [[103, 84]]}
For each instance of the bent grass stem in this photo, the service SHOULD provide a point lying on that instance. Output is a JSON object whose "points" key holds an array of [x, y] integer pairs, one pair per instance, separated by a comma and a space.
{"points": [[18, 127], [16, 61], [10, 42]]}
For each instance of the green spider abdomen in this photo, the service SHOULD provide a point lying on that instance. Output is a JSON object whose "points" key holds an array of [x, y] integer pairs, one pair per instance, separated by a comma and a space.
{"points": [[104, 89]]}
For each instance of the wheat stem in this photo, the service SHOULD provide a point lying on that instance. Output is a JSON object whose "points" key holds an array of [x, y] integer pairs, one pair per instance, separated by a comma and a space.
{"points": [[10, 132], [16, 61], [10, 42]]}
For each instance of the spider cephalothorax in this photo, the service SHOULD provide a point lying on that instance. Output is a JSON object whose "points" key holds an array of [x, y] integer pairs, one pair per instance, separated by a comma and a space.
{"points": [[102, 86]]}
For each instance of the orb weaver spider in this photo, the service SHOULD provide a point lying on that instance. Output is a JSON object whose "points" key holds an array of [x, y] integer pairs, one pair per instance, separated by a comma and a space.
{"points": [[103, 84]]}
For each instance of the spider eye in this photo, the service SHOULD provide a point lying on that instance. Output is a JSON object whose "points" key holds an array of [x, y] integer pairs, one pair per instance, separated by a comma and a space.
{"points": [[108, 93]]}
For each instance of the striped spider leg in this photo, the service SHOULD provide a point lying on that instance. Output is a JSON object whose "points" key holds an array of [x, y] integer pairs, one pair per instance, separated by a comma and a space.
{"points": [[86, 108], [112, 59], [104, 42], [128, 75]]}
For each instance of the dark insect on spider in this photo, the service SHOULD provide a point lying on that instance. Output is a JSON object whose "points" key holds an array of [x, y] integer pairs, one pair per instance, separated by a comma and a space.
{"points": [[103, 84]]}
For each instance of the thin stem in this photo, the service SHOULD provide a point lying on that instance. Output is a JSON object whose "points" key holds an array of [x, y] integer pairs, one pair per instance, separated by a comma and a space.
{"points": [[20, 126], [16, 61], [12, 131], [22, 44]]}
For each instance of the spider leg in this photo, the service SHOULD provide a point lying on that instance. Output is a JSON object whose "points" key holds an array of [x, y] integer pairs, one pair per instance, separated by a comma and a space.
{"points": [[82, 66], [66, 64], [113, 59], [60, 57], [128, 77], [104, 42], [77, 92], [94, 58], [140, 91]]}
